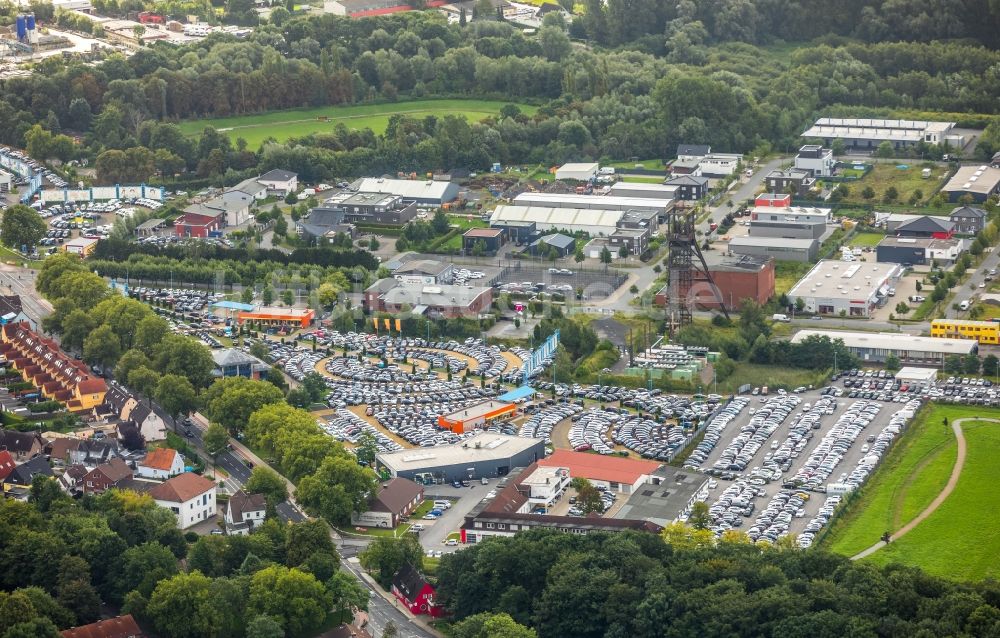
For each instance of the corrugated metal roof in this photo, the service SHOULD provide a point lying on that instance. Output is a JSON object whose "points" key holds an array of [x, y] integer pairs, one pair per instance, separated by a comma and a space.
{"points": [[569, 218], [893, 341]]}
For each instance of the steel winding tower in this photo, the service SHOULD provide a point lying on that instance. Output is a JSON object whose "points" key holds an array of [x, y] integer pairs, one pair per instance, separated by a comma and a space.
{"points": [[682, 242]]}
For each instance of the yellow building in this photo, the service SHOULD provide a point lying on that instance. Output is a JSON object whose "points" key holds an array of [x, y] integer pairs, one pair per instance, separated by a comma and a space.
{"points": [[985, 332]]}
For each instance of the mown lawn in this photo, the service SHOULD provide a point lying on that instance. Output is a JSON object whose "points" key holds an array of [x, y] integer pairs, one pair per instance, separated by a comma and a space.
{"points": [[960, 540], [866, 239], [913, 473], [282, 125]]}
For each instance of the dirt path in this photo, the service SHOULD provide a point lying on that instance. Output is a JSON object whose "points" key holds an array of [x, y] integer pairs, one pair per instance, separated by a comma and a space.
{"points": [[956, 472]]}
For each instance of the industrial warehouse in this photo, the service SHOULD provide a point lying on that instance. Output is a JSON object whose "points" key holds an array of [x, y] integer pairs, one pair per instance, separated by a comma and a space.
{"points": [[873, 347], [852, 289], [484, 455]]}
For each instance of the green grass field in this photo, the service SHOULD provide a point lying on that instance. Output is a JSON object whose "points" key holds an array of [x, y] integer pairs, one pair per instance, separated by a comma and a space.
{"points": [[771, 376], [786, 273], [866, 239], [643, 179], [282, 125], [958, 540]]}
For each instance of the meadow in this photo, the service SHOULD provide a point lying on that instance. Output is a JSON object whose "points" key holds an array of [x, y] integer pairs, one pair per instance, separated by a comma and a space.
{"points": [[282, 125], [959, 539]]}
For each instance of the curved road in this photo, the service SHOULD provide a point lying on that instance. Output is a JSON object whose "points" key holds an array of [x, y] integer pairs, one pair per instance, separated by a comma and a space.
{"points": [[956, 472]]}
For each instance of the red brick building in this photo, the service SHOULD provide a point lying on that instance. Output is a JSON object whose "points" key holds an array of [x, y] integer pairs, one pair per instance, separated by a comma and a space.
{"points": [[737, 278], [196, 225], [106, 476]]}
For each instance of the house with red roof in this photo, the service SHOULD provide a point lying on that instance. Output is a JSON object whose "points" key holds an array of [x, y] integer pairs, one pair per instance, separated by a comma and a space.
{"points": [[161, 464], [193, 224], [190, 497], [57, 375], [412, 590], [6, 464], [106, 476], [117, 627]]}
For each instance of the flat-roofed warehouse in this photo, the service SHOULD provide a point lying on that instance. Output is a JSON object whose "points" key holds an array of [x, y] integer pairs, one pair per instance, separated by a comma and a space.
{"points": [[593, 222], [869, 133], [423, 192], [483, 455], [641, 190], [878, 346], [479, 416], [978, 182], [597, 202], [855, 288]]}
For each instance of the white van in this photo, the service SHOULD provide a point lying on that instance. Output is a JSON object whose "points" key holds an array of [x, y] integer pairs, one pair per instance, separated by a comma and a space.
{"points": [[607, 170], [442, 505], [780, 317], [964, 305]]}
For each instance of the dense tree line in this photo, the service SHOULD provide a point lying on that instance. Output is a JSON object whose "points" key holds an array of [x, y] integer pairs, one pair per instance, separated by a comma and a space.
{"points": [[635, 584], [62, 559], [707, 84]]}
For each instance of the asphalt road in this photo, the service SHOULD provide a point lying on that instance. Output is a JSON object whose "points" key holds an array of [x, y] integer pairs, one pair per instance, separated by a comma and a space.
{"points": [[964, 293], [382, 611], [21, 282]]}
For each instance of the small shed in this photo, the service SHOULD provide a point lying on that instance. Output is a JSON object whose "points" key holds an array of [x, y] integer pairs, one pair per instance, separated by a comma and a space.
{"points": [[581, 172], [925, 376]]}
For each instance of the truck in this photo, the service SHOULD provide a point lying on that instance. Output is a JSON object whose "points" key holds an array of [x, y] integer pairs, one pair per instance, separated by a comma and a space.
{"points": [[607, 170], [780, 317], [926, 173]]}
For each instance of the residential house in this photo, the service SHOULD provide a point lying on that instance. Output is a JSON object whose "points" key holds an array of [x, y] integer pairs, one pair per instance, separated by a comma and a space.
{"points": [[106, 476], [190, 497], [968, 219], [323, 224], [689, 187], [6, 464], [634, 240], [57, 375], [59, 449], [815, 160], [117, 627], [412, 590], [71, 480], [11, 311], [244, 512], [279, 182], [94, 452], [372, 208], [121, 404], [25, 472], [161, 463], [396, 499], [795, 181], [22, 445], [692, 151]]}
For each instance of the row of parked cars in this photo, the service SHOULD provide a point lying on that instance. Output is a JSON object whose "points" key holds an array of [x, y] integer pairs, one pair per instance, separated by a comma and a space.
{"points": [[713, 433], [344, 425], [651, 439]]}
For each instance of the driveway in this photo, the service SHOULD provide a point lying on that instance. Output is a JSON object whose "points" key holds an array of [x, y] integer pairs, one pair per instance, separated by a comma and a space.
{"points": [[436, 532]]}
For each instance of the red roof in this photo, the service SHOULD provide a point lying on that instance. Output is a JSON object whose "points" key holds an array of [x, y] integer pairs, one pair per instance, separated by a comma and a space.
{"points": [[484, 232], [6, 464], [181, 488], [195, 219], [159, 459], [598, 467], [120, 627]]}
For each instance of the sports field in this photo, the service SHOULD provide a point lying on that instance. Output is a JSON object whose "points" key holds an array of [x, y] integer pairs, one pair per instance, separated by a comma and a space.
{"points": [[959, 539], [282, 125]]}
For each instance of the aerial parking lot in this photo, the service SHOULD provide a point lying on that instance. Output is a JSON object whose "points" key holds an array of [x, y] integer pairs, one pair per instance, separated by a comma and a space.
{"points": [[780, 463]]}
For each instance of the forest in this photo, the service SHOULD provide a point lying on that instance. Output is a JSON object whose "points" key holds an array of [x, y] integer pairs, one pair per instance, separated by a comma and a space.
{"points": [[62, 558], [613, 98], [682, 584]]}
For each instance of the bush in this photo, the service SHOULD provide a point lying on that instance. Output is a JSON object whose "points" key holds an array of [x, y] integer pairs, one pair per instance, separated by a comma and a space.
{"points": [[191, 537]]}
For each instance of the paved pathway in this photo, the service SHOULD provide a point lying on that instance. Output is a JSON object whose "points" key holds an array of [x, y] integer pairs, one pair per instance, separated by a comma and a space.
{"points": [[956, 472]]}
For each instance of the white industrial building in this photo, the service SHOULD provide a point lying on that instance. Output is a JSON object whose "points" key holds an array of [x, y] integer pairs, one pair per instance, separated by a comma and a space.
{"points": [[595, 223], [581, 172], [719, 164], [873, 347], [597, 202], [424, 192], [869, 133], [640, 190], [854, 288]]}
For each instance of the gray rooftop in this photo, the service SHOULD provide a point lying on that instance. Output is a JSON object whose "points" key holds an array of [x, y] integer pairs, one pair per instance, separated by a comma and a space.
{"points": [[484, 446], [661, 504], [893, 341]]}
